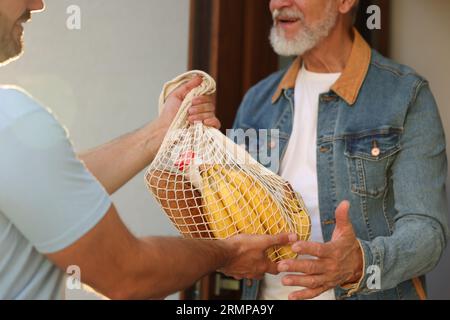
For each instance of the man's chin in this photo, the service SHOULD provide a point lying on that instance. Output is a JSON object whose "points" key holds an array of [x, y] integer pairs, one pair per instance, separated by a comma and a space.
{"points": [[289, 33], [283, 46]]}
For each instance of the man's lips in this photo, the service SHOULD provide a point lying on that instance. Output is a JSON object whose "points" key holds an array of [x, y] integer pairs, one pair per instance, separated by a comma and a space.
{"points": [[286, 22], [287, 19]]}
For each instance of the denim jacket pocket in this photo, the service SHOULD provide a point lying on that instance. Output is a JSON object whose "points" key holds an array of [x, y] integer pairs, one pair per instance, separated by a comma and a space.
{"points": [[369, 156]]}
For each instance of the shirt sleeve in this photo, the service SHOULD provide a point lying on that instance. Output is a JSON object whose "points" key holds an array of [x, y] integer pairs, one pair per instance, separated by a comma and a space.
{"points": [[45, 191]]}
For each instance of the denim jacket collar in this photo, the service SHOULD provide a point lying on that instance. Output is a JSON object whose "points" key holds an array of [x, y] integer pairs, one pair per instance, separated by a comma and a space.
{"points": [[351, 80]]}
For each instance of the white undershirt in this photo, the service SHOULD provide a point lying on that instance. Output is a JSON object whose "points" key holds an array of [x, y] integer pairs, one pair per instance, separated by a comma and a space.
{"points": [[299, 166]]}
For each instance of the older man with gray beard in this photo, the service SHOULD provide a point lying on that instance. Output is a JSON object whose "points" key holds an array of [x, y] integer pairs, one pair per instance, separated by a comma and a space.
{"points": [[360, 138]]}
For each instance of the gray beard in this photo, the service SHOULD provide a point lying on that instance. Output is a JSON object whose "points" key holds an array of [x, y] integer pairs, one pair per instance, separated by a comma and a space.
{"points": [[307, 38]]}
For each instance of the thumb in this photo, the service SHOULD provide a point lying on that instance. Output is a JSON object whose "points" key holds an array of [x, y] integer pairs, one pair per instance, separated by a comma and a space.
{"points": [[182, 91], [343, 222]]}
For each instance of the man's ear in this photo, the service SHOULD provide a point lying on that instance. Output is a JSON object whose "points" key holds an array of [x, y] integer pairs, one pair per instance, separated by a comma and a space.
{"points": [[346, 6]]}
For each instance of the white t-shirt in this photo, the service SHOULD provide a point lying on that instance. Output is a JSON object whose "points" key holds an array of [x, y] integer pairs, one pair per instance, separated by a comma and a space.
{"points": [[299, 166]]}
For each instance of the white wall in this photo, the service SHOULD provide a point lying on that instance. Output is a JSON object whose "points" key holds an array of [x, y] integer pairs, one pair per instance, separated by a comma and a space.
{"points": [[104, 80], [420, 38]]}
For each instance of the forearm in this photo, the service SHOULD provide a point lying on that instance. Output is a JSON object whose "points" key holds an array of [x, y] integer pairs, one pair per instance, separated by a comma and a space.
{"points": [[412, 250], [116, 162], [161, 266]]}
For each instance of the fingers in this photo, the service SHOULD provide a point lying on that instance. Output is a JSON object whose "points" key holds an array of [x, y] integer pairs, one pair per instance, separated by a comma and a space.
{"points": [[314, 249], [208, 119], [249, 254], [281, 239], [201, 108], [184, 89], [342, 217], [212, 122], [201, 117], [202, 100], [307, 266], [272, 267], [310, 282], [307, 294]]}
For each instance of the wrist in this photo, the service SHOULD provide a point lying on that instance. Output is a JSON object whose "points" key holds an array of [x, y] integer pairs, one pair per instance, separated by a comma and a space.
{"points": [[358, 270], [227, 250], [358, 267], [151, 137]]}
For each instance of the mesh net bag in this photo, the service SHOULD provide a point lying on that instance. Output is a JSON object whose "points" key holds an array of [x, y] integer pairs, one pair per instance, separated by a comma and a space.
{"points": [[211, 188]]}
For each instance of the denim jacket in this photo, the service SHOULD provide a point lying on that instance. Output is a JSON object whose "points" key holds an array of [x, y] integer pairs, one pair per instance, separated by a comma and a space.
{"points": [[380, 145]]}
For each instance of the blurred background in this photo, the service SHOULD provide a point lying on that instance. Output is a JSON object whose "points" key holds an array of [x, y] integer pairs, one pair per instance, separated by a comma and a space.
{"points": [[104, 80]]}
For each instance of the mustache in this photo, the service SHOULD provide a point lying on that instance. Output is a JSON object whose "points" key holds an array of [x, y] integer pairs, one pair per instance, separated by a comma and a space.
{"points": [[287, 13], [25, 17]]}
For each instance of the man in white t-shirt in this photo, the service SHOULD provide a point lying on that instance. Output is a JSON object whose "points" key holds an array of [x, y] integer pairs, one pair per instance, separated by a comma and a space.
{"points": [[56, 211]]}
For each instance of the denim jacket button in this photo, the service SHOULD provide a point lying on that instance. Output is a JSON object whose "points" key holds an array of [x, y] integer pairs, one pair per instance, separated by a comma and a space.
{"points": [[248, 283], [273, 144], [376, 152], [375, 149]]}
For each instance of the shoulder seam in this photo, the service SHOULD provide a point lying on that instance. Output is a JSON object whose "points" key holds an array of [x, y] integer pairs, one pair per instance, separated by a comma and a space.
{"points": [[395, 71]]}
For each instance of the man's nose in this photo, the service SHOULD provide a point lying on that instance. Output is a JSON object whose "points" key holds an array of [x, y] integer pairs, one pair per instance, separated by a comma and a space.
{"points": [[279, 4], [35, 5]]}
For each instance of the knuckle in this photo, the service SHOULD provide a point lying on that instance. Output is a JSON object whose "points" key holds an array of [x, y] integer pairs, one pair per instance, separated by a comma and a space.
{"points": [[310, 268], [314, 283]]}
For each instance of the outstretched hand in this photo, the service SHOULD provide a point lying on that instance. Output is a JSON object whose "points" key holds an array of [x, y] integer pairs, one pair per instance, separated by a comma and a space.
{"points": [[339, 262]]}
